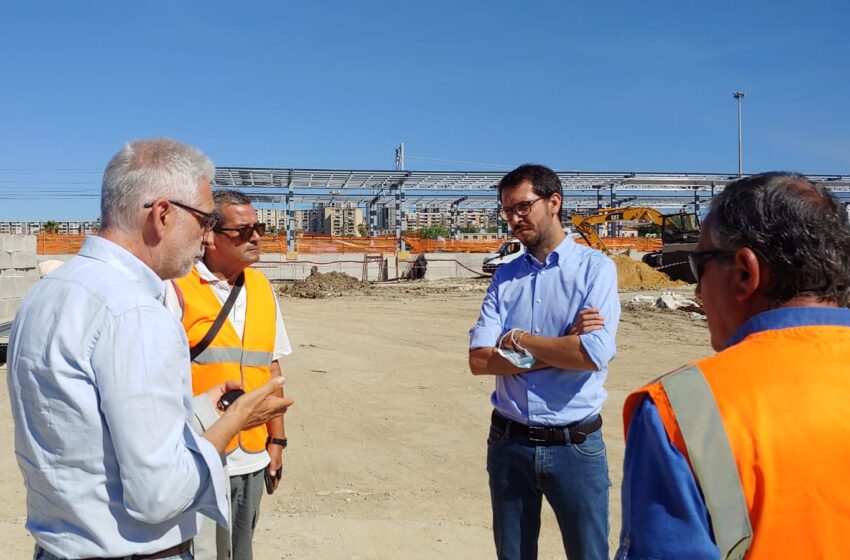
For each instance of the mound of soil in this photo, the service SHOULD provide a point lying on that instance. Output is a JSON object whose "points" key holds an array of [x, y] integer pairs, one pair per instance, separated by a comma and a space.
{"points": [[636, 274], [324, 285]]}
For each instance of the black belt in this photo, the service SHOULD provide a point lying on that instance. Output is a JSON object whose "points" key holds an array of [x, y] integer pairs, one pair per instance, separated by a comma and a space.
{"points": [[173, 551], [547, 435]]}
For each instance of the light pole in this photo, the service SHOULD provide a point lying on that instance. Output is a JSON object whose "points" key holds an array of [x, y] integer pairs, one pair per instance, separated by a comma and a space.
{"points": [[739, 95]]}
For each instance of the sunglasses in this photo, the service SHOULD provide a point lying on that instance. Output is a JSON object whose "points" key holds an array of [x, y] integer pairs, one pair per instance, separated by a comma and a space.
{"points": [[520, 208], [207, 220], [698, 260], [245, 233]]}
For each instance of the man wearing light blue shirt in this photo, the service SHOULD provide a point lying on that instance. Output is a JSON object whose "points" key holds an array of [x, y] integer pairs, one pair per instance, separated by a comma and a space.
{"points": [[546, 332], [99, 381]]}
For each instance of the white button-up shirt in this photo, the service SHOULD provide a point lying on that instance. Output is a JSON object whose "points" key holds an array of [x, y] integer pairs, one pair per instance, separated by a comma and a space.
{"points": [[99, 381]]}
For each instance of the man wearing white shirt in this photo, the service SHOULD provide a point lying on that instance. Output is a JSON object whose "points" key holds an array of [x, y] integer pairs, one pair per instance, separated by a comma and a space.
{"points": [[246, 348], [98, 376]]}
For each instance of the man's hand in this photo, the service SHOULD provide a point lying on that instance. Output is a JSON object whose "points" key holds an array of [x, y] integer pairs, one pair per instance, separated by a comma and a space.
{"points": [[251, 409], [276, 465], [215, 393], [261, 404], [587, 320]]}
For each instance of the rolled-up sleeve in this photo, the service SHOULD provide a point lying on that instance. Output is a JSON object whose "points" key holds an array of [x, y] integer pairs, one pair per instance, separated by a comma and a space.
{"points": [[602, 293], [142, 364], [488, 328]]}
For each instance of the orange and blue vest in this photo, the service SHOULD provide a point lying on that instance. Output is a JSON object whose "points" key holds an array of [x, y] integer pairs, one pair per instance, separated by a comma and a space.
{"points": [[229, 358], [743, 454]]}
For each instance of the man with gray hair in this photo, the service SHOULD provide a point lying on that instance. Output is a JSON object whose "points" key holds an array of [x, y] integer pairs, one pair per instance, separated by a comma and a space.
{"points": [[99, 379]]}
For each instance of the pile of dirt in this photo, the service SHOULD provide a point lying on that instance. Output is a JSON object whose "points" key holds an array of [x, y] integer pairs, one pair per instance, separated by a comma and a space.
{"points": [[323, 285], [636, 274]]}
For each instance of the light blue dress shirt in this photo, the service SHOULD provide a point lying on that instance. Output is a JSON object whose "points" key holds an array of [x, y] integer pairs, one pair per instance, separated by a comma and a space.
{"points": [[544, 299], [99, 380]]}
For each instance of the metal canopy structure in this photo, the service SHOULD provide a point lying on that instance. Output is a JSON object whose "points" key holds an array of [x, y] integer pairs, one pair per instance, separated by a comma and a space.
{"points": [[473, 189]]}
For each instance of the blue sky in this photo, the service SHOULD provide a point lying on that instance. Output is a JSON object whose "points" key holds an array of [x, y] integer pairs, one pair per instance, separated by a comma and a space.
{"points": [[480, 85]]}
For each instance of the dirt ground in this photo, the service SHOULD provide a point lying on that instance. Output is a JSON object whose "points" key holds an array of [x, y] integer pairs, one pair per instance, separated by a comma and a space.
{"points": [[387, 437]]}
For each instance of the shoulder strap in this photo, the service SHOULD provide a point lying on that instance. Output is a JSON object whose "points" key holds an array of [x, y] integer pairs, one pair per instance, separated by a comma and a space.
{"points": [[196, 350], [711, 459]]}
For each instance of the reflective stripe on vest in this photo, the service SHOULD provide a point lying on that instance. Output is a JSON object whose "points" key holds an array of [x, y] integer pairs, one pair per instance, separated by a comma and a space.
{"points": [[711, 459], [234, 355]]}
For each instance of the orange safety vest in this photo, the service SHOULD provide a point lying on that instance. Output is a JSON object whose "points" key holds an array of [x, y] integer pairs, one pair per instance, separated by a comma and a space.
{"points": [[781, 399], [228, 358]]}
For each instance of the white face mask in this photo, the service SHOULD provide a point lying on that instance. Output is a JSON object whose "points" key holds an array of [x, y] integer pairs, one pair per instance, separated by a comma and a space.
{"points": [[522, 359]]}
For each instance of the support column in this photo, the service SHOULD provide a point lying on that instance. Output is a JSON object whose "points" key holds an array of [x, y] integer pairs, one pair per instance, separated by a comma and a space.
{"points": [[400, 222], [290, 223]]}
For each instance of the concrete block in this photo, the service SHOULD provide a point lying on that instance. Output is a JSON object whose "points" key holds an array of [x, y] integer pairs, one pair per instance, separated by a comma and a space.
{"points": [[23, 259], [5, 260], [16, 286], [12, 243], [30, 243], [8, 308]]}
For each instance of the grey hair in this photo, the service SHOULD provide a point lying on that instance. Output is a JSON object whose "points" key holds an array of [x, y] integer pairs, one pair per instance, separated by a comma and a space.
{"points": [[145, 170], [799, 229], [223, 197]]}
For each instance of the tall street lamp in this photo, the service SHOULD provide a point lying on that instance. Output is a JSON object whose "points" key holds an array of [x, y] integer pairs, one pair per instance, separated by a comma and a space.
{"points": [[739, 95]]}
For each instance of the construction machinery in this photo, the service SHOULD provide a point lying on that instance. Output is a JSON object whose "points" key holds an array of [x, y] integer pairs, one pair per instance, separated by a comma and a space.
{"points": [[679, 233]]}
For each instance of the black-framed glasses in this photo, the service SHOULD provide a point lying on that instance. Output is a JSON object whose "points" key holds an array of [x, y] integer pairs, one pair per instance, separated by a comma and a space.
{"points": [[245, 232], [207, 220], [520, 208], [698, 259]]}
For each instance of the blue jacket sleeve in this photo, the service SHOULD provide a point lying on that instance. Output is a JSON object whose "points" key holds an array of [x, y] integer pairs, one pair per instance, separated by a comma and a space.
{"points": [[664, 515]]}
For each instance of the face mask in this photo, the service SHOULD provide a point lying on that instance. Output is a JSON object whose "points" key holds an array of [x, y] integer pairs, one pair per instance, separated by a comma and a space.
{"points": [[522, 359]]}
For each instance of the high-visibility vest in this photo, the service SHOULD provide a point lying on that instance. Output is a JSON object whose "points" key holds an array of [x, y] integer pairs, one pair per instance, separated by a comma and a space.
{"points": [[228, 358], [765, 427]]}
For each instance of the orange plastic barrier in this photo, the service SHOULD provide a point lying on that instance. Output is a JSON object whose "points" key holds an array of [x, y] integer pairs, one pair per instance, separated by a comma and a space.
{"points": [[58, 244], [55, 244]]}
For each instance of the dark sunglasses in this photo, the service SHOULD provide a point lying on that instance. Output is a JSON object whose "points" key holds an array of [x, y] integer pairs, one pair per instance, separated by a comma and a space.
{"points": [[698, 260], [207, 220], [245, 232], [520, 208]]}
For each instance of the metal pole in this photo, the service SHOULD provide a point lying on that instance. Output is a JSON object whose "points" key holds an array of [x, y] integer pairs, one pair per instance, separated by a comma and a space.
{"points": [[739, 95]]}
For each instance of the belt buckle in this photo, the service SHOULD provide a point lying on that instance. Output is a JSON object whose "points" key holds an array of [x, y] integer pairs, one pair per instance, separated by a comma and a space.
{"points": [[537, 434]]}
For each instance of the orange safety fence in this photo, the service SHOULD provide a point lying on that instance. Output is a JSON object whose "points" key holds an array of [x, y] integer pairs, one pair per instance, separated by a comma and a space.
{"points": [[58, 243], [53, 244], [644, 244]]}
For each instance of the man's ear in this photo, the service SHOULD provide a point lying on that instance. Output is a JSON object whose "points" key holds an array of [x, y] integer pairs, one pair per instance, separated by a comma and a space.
{"points": [[556, 200], [161, 216], [748, 277]]}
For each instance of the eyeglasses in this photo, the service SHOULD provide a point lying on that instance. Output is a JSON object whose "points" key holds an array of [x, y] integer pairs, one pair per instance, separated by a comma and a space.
{"points": [[207, 220], [520, 208], [698, 260], [245, 232]]}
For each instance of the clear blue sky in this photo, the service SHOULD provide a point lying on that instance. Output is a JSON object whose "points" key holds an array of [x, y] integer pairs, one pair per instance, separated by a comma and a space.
{"points": [[593, 86]]}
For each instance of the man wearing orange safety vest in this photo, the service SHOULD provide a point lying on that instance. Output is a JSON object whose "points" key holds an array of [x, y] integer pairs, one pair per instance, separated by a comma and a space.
{"points": [[245, 346], [742, 454]]}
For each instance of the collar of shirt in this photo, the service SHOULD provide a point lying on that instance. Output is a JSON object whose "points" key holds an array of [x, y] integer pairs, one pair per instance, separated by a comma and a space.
{"points": [[559, 254], [120, 258], [789, 317], [209, 277]]}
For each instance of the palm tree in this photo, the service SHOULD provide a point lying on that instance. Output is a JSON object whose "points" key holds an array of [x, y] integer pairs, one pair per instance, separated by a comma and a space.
{"points": [[50, 226]]}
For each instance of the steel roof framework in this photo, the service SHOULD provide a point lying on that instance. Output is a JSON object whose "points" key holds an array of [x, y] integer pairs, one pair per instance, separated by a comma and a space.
{"points": [[472, 189]]}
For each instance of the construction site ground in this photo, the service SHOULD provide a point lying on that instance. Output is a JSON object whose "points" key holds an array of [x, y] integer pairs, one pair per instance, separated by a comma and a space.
{"points": [[387, 437]]}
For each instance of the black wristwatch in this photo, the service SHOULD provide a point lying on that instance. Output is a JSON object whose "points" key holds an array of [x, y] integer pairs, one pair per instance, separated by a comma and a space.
{"points": [[281, 441]]}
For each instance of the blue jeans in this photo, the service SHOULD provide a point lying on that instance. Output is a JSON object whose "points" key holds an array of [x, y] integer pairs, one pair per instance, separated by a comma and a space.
{"points": [[41, 554], [574, 479]]}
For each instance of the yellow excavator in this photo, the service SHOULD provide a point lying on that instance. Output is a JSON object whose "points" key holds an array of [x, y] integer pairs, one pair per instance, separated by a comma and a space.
{"points": [[679, 232]]}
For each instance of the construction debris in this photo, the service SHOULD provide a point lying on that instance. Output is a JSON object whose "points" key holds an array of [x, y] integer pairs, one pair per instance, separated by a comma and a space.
{"points": [[635, 274], [668, 301], [324, 285]]}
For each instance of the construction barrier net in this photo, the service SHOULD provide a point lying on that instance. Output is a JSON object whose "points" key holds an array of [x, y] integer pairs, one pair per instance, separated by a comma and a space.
{"points": [[56, 244]]}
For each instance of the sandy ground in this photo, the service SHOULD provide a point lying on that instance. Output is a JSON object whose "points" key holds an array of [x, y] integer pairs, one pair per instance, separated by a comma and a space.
{"points": [[387, 436]]}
